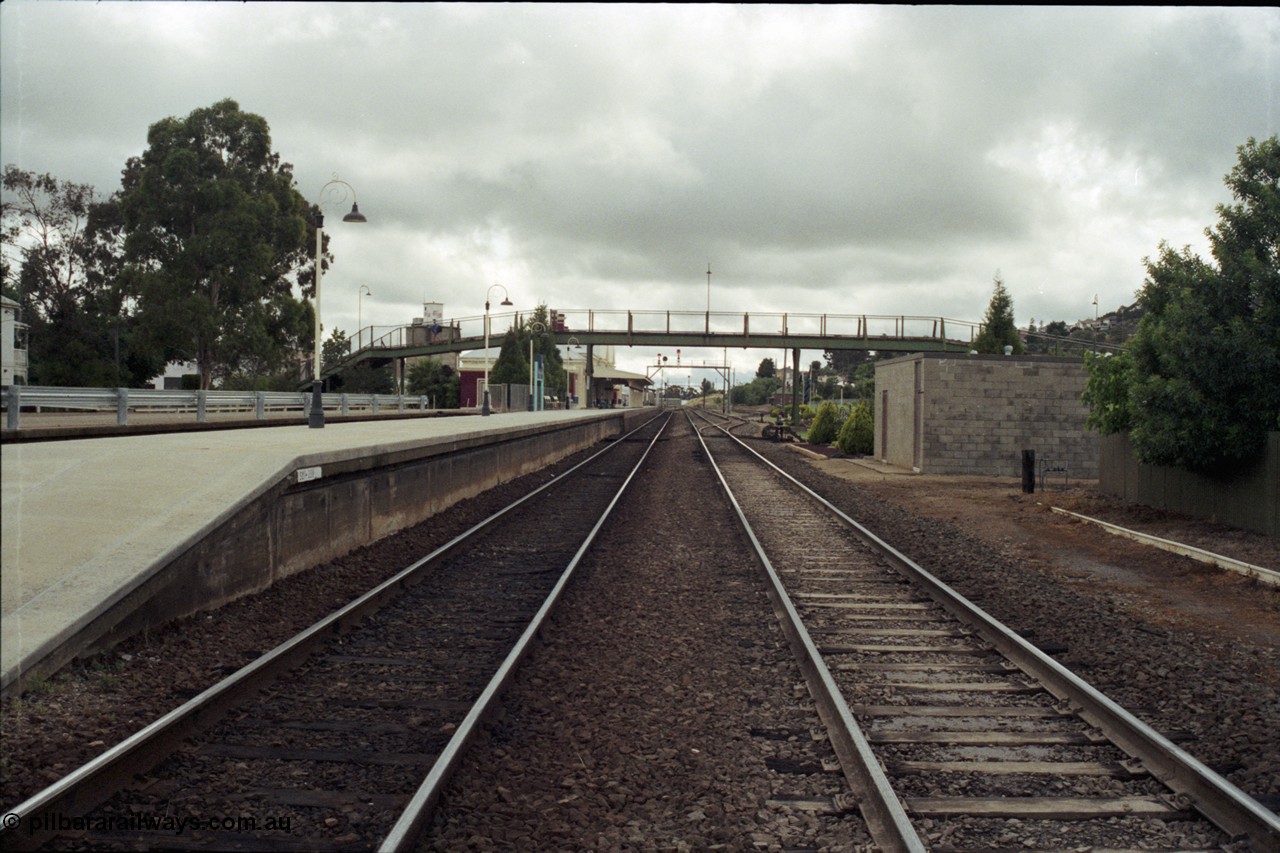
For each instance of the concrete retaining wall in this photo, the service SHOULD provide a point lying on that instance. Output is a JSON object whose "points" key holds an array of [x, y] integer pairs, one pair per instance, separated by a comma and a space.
{"points": [[1250, 499], [295, 525], [974, 414]]}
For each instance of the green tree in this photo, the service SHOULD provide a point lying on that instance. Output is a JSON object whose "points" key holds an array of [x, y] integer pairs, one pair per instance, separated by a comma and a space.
{"points": [[538, 326], [284, 380], [59, 254], [45, 225], [998, 329], [1202, 390], [511, 366], [825, 426], [857, 434], [335, 349], [436, 380], [845, 362], [216, 239], [757, 392], [361, 378], [766, 370], [1106, 392], [365, 378], [828, 387]]}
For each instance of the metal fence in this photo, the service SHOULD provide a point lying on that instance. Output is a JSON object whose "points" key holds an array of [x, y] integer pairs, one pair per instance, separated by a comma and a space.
{"points": [[197, 405], [515, 398]]}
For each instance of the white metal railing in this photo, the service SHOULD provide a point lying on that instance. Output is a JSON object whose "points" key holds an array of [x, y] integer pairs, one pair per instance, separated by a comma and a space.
{"points": [[196, 404]]}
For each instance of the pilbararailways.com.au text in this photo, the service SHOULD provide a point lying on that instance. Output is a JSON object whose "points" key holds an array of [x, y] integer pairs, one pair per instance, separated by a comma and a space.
{"points": [[146, 823]]}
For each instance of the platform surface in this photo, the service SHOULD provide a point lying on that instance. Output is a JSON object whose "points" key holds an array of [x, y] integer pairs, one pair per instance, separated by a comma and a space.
{"points": [[84, 519]]}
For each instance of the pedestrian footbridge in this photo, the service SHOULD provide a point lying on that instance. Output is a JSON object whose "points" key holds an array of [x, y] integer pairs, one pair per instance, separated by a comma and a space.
{"points": [[713, 329]]}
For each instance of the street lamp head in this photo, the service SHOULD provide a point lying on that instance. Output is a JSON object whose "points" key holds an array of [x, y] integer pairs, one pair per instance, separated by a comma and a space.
{"points": [[355, 215], [506, 297], [506, 302]]}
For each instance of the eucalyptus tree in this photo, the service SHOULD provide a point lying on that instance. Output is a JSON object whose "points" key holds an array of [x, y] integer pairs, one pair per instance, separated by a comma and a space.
{"points": [[216, 244], [61, 247]]}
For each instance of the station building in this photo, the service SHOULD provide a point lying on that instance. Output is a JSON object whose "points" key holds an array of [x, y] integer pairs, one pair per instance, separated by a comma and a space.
{"points": [[604, 386], [607, 388]]}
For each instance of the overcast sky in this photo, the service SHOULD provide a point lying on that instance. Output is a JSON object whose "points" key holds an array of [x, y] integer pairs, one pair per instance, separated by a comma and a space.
{"points": [[838, 159]]}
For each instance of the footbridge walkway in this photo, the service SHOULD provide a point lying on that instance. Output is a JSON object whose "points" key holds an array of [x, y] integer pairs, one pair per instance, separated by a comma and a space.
{"points": [[715, 329]]}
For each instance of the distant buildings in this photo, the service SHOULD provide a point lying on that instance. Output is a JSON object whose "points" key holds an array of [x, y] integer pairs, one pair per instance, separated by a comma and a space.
{"points": [[13, 344], [607, 387]]}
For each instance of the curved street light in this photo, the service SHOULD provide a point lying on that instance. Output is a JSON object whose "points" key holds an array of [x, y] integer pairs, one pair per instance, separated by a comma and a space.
{"points": [[533, 323], [506, 300], [338, 191], [363, 292]]}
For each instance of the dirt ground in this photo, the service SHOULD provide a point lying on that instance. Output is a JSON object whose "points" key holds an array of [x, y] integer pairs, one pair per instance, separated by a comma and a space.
{"points": [[1170, 589]]}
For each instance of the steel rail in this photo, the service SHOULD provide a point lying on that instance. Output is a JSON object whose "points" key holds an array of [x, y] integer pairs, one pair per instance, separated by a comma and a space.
{"points": [[885, 816], [1270, 577], [83, 788], [1225, 805], [404, 834]]}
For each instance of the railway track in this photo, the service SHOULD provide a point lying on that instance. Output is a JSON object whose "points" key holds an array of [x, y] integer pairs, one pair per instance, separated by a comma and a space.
{"points": [[956, 733], [342, 737], [953, 734]]}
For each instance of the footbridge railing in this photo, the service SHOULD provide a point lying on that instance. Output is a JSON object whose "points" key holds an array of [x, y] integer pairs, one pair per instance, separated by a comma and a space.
{"points": [[678, 328]]}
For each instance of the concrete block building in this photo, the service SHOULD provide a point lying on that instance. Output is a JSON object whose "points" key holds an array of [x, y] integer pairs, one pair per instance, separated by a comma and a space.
{"points": [[944, 413]]}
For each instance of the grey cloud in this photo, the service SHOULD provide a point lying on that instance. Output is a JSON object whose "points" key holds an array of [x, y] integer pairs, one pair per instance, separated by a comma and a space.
{"points": [[885, 156]]}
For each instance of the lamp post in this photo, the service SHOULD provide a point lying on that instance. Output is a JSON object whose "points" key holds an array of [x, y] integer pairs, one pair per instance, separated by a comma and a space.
{"points": [[363, 292], [506, 300], [533, 323], [570, 346], [338, 191]]}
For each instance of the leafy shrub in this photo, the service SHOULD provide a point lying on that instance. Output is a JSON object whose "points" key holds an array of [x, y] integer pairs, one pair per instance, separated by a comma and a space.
{"points": [[825, 427], [1106, 392], [857, 436]]}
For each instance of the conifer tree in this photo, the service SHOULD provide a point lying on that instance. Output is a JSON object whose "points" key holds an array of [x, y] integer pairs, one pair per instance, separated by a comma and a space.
{"points": [[998, 329]]}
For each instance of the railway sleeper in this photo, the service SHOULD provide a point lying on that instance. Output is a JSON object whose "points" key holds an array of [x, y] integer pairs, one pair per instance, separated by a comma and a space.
{"points": [[883, 666], [840, 804], [1029, 711], [1112, 769], [988, 738], [1169, 807], [803, 768]]}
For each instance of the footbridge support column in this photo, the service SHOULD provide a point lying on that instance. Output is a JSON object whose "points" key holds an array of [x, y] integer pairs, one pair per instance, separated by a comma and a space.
{"points": [[795, 387]]}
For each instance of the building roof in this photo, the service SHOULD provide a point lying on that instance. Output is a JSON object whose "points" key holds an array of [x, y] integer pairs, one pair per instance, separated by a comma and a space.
{"points": [[602, 372]]}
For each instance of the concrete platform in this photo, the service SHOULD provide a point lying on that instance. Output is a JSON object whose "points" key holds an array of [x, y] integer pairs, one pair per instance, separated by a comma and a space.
{"points": [[88, 522]]}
